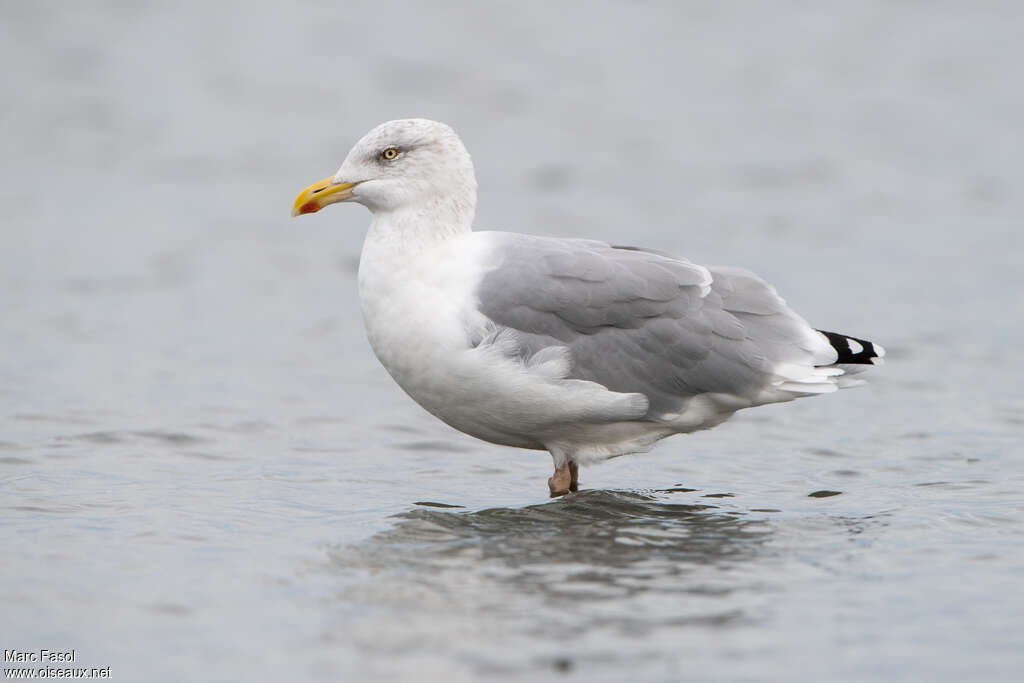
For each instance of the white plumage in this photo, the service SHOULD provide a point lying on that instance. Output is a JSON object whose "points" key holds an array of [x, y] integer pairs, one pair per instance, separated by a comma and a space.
{"points": [[574, 346]]}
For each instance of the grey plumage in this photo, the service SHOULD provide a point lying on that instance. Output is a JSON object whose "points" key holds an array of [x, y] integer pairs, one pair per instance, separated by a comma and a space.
{"points": [[639, 321]]}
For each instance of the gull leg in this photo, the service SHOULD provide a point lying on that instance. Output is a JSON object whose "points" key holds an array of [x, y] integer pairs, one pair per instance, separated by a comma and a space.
{"points": [[561, 482], [574, 472]]}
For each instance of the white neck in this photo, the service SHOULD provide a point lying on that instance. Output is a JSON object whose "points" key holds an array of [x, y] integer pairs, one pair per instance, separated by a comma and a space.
{"points": [[411, 230]]}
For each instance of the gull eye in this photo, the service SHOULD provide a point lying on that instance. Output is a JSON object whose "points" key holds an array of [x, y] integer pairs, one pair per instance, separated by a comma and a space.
{"points": [[389, 154]]}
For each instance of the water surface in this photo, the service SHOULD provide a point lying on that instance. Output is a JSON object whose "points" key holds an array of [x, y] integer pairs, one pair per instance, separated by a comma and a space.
{"points": [[205, 474]]}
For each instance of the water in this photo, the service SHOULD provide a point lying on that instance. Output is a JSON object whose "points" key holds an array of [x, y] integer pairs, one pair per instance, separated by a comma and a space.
{"points": [[205, 475]]}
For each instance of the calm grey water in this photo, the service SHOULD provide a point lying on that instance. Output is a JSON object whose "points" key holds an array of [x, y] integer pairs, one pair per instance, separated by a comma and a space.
{"points": [[205, 475]]}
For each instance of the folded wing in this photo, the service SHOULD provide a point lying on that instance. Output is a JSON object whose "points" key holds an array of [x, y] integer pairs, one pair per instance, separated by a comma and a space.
{"points": [[638, 321]]}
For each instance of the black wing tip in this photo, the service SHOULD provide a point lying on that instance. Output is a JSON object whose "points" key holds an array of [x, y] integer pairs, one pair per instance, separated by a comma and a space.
{"points": [[854, 351]]}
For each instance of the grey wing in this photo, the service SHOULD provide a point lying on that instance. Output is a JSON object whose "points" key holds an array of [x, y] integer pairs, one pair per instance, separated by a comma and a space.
{"points": [[638, 321]]}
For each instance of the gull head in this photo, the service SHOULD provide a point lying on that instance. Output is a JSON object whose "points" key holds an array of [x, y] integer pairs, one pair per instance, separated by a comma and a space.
{"points": [[409, 164]]}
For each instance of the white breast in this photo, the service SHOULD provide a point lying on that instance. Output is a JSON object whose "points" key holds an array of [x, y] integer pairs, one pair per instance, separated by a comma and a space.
{"points": [[420, 318], [412, 303]]}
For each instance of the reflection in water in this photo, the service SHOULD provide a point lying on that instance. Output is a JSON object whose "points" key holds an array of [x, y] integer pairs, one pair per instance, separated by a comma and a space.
{"points": [[626, 563], [605, 530]]}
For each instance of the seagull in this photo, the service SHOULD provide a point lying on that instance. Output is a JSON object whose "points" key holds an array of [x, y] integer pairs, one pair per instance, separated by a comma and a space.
{"points": [[582, 348]]}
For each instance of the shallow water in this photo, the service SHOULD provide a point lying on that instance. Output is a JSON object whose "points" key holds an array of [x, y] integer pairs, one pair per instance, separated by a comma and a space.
{"points": [[205, 475]]}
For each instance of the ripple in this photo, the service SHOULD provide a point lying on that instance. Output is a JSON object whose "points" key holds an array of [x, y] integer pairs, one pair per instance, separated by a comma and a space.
{"points": [[119, 437], [953, 485], [431, 446], [825, 452], [170, 438], [47, 509], [104, 438], [198, 455]]}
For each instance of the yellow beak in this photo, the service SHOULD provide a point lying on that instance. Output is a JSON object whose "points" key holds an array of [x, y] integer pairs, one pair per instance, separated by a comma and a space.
{"points": [[319, 195]]}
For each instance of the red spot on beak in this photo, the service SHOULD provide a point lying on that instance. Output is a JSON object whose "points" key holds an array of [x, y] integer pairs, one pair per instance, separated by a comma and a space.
{"points": [[309, 207]]}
